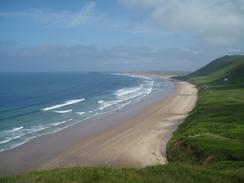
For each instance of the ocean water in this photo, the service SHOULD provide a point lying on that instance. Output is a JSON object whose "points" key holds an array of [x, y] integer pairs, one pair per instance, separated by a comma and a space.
{"points": [[35, 104]]}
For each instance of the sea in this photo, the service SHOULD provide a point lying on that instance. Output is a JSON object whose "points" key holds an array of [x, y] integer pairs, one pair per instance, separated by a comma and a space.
{"points": [[37, 104]]}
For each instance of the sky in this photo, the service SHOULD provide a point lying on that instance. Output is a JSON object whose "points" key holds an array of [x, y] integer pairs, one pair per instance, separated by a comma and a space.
{"points": [[118, 35]]}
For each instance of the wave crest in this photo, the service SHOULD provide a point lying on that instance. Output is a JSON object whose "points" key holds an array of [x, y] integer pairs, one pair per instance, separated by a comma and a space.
{"points": [[125, 91], [69, 102], [15, 129], [61, 112]]}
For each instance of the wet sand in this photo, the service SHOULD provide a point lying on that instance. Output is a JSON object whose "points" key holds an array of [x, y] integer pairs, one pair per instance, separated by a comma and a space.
{"points": [[135, 137]]}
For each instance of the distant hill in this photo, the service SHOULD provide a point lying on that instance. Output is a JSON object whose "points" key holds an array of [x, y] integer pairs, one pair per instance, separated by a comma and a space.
{"points": [[226, 67], [170, 73]]}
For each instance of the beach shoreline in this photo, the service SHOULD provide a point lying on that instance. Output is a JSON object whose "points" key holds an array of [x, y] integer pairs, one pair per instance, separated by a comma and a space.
{"points": [[136, 138]]}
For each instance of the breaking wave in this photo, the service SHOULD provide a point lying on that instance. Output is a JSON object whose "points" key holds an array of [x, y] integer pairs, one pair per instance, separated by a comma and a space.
{"points": [[61, 112], [69, 102]]}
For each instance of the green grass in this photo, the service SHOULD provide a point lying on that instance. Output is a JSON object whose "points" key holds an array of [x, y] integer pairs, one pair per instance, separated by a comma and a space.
{"points": [[215, 66], [207, 147], [214, 130], [170, 173]]}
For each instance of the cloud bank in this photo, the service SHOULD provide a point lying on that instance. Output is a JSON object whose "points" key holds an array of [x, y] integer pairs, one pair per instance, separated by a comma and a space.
{"points": [[216, 22], [91, 58]]}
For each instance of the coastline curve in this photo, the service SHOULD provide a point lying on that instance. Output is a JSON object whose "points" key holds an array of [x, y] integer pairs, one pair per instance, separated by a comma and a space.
{"points": [[133, 140]]}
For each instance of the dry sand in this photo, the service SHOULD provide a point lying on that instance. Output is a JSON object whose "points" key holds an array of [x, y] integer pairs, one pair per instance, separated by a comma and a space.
{"points": [[137, 142]]}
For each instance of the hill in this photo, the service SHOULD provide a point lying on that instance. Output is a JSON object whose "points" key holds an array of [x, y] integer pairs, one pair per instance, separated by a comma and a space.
{"points": [[165, 73], [213, 134], [215, 66]]}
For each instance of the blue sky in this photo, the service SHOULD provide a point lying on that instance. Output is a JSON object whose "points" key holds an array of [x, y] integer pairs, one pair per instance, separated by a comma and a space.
{"points": [[118, 35]]}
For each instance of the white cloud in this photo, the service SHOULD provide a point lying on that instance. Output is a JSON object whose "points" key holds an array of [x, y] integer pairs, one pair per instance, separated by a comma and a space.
{"points": [[90, 58], [63, 18], [68, 19], [217, 22], [82, 16], [7, 43], [118, 58], [235, 50], [140, 5], [3, 14]]}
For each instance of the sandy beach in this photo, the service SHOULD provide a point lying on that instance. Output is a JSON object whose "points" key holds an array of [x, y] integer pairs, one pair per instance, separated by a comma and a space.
{"points": [[134, 140]]}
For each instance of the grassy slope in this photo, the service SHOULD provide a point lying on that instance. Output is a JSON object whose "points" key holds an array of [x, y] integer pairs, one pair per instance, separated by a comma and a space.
{"points": [[168, 173], [219, 119], [213, 134], [215, 66]]}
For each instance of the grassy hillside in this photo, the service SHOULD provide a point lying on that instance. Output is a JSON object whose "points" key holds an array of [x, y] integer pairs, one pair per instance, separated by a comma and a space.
{"points": [[214, 66], [213, 134], [169, 173], [207, 147]]}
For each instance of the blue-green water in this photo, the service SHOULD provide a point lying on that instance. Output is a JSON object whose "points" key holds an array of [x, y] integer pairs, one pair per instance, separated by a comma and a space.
{"points": [[35, 104]]}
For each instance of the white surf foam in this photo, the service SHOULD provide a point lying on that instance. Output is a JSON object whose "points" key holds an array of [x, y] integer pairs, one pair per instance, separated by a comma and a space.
{"points": [[17, 144], [9, 139], [101, 101], [38, 128], [61, 112], [107, 104], [69, 102], [80, 113], [15, 129], [125, 91], [58, 123], [130, 75], [136, 76]]}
